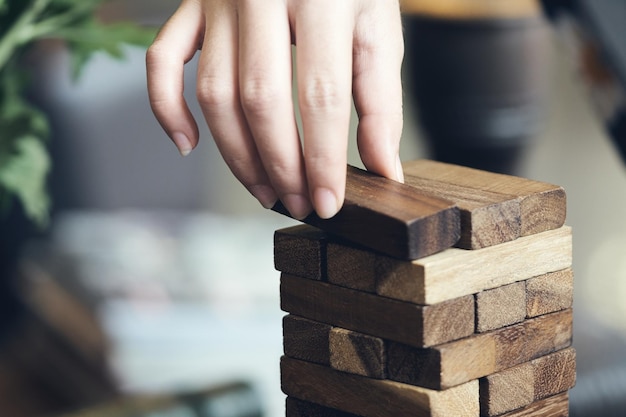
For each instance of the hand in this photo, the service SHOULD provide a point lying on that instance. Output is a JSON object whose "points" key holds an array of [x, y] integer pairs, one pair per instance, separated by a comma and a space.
{"points": [[343, 48]]}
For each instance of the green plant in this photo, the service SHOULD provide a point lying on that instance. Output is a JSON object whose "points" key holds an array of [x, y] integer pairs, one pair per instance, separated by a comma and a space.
{"points": [[24, 160]]}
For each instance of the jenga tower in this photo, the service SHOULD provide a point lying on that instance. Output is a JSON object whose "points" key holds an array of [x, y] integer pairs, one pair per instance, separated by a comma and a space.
{"points": [[483, 328]]}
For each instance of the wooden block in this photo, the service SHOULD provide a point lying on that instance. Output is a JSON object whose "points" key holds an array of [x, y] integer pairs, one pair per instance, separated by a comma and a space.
{"points": [[550, 292], [306, 339], [555, 373], [556, 406], [487, 218], [299, 408], [521, 385], [369, 397], [377, 316], [457, 272], [507, 390], [301, 250], [390, 217], [500, 306], [352, 267], [357, 353], [454, 363], [542, 205]]}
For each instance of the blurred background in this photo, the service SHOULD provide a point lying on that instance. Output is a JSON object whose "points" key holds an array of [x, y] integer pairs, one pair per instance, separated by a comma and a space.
{"points": [[154, 280]]}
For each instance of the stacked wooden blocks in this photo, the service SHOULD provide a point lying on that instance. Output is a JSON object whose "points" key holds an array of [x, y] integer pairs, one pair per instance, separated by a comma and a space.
{"points": [[483, 328]]}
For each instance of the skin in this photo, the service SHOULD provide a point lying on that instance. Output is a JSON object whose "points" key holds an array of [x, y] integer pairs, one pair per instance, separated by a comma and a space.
{"points": [[345, 50]]}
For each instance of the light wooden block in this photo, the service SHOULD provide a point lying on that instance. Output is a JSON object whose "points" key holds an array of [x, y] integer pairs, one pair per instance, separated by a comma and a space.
{"points": [[301, 250], [299, 408], [454, 363], [357, 353], [306, 339], [403, 322], [390, 217], [542, 205], [549, 292], [369, 397], [500, 307], [454, 272], [556, 406], [521, 385]]}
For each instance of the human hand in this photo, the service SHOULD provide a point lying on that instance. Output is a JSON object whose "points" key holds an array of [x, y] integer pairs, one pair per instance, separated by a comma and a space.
{"points": [[344, 49]]}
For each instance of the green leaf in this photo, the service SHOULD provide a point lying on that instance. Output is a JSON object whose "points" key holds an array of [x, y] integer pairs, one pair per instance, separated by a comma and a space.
{"points": [[23, 174]]}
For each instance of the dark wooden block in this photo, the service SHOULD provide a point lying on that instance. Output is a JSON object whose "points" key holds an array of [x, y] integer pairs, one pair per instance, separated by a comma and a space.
{"points": [[300, 408], [390, 217], [306, 339], [403, 322], [486, 199], [450, 364], [301, 250], [357, 353], [369, 397]]}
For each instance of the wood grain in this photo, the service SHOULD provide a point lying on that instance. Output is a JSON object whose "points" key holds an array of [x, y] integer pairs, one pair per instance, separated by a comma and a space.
{"points": [[550, 292], [390, 217], [500, 306], [352, 267], [454, 363], [301, 250], [377, 316], [357, 353], [487, 218], [521, 385], [369, 397], [542, 205], [306, 339], [299, 408], [454, 272], [556, 406]]}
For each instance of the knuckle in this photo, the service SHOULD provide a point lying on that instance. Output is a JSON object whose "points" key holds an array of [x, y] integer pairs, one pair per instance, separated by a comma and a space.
{"points": [[321, 94], [213, 91], [258, 96]]}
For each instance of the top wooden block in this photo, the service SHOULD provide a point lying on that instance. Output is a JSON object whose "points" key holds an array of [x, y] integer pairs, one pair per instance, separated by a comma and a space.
{"points": [[495, 208], [389, 217]]}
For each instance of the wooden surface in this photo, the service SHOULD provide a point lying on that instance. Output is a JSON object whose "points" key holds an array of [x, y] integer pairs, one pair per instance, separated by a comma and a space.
{"points": [[556, 406], [307, 340], [549, 292], [521, 385], [458, 272], [500, 306], [457, 362], [301, 250], [390, 217], [299, 408], [472, 9], [369, 397], [542, 206], [487, 218], [382, 317], [357, 353]]}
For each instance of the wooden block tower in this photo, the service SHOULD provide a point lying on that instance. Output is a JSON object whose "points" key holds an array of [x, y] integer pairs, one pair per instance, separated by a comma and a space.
{"points": [[484, 328]]}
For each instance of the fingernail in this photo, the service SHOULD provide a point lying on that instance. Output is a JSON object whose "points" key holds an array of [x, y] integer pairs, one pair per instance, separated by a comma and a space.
{"points": [[265, 194], [298, 205], [182, 143], [326, 204], [399, 170]]}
